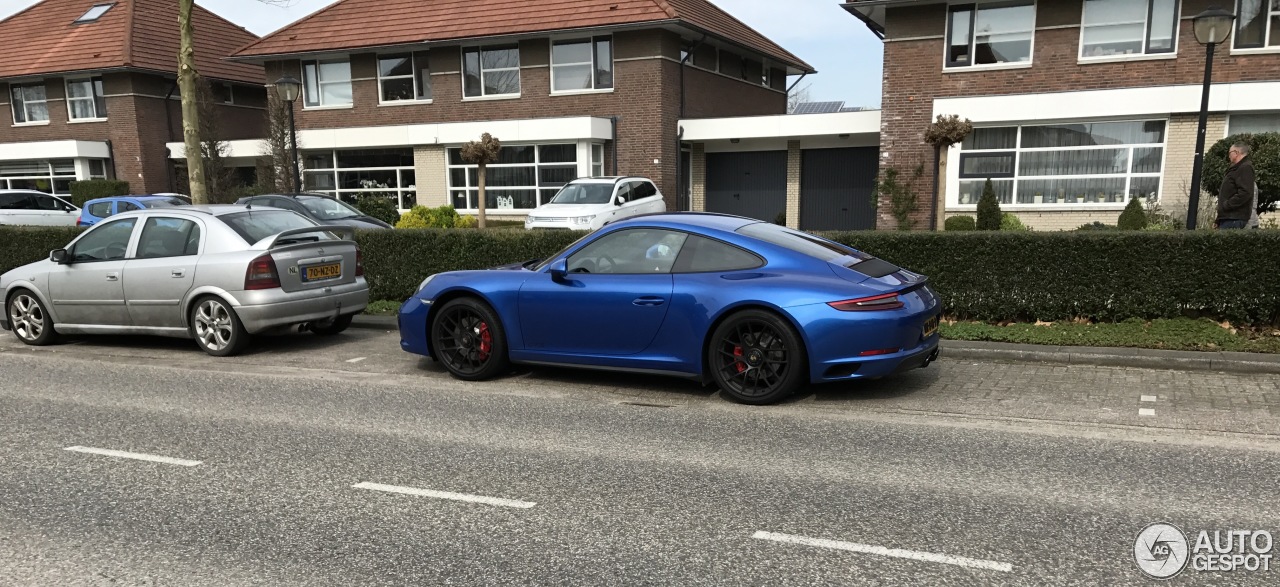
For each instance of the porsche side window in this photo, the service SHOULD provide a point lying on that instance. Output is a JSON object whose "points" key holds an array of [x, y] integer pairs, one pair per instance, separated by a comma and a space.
{"points": [[702, 255], [639, 250]]}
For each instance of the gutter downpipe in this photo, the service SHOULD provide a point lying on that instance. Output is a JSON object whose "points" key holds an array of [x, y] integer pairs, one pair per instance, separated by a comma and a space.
{"points": [[613, 121], [168, 122]]}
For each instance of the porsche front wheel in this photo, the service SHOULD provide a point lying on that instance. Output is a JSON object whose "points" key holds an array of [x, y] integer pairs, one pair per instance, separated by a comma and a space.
{"points": [[468, 339]]}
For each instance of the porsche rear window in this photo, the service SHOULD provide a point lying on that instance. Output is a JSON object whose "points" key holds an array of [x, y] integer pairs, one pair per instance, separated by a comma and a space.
{"points": [[255, 225], [807, 244]]}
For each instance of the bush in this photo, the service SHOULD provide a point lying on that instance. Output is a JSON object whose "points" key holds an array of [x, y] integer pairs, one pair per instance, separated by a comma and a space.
{"points": [[1266, 166], [468, 222], [380, 207], [1010, 221], [989, 215], [92, 189], [424, 217], [1095, 225], [959, 223], [20, 245], [1133, 217]]}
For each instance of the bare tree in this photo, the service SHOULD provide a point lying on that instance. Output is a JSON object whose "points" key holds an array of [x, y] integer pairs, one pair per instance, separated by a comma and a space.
{"points": [[276, 175], [941, 134], [481, 153], [797, 97], [188, 77]]}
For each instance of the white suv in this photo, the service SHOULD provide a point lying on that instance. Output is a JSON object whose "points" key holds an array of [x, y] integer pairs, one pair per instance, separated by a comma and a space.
{"points": [[588, 203], [36, 208]]}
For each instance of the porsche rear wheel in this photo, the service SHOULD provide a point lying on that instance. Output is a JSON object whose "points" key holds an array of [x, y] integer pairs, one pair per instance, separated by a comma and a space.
{"points": [[757, 358], [469, 340]]}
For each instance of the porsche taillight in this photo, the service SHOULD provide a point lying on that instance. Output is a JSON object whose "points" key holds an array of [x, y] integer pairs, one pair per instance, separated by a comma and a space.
{"points": [[878, 302]]}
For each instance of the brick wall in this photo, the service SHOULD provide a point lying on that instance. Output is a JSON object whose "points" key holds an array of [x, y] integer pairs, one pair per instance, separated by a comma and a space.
{"points": [[1180, 156], [430, 175], [914, 76], [794, 163], [698, 179]]}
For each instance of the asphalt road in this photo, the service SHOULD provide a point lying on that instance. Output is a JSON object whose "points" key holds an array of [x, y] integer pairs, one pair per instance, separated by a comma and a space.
{"points": [[300, 465]]}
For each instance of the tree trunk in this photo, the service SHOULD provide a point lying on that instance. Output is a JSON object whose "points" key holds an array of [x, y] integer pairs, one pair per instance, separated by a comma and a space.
{"points": [[937, 201], [187, 81], [480, 196]]}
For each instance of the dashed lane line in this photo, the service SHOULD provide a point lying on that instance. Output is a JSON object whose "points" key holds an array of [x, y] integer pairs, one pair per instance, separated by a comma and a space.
{"points": [[498, 501], [931, 557], [137, 456]]}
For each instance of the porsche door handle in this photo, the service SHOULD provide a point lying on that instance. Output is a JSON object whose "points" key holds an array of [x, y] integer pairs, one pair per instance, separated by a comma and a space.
{"points": [[649, 301]]}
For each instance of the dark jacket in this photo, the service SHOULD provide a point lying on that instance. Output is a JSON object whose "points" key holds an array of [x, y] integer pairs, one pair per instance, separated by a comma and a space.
{"points": [[1235, 197]]}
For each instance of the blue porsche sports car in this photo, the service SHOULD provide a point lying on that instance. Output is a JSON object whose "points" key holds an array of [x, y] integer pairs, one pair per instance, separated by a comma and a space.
{"points": [[757, 308]]}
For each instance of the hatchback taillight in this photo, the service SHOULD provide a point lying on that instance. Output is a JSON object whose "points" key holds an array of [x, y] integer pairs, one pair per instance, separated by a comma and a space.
{"points": [[880, 302], [359, 263], [262, 274]]}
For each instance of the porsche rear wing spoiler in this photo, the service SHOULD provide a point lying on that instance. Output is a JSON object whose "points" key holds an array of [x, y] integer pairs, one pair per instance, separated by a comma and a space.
{"points": [[344, 232]]}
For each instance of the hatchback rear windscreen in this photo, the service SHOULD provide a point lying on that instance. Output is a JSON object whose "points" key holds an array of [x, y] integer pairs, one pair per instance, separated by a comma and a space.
{"points": [[255, 225]]}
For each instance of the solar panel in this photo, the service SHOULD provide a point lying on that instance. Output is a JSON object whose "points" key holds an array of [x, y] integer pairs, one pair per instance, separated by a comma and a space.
{"points": [[818, 107], [852, 109]]}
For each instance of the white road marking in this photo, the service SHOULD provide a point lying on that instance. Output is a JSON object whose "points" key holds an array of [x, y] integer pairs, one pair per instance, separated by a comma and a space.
{"points": [[971, 563], [510, 503], [133, 455], [1148, 398], [1146, 412], [356, 360]]}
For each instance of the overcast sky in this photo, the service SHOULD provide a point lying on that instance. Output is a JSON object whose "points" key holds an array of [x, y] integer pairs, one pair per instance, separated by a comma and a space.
{"points": [[846, 54]]}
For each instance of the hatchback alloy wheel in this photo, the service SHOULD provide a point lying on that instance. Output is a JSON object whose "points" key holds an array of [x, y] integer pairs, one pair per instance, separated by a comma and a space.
{"points": [[469, 340], [216, 328], [756, 358], [28, 319]]}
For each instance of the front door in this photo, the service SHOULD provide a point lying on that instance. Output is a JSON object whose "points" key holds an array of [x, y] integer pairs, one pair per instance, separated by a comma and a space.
{"points": [[613, 300], [161, 272], [90, 289]]}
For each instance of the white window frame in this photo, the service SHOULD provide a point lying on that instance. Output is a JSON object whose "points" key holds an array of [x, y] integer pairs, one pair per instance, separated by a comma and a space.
{"points": [[334, 171], [973, 40], [953, 199], [537, 165], [413, 75], [597, 159], [1270, 33], [90, 16], [95, 82], [26, 115], [50, 175], [593, 64], [1146, 35], [481, 49], [1232, 118], [320, 84]]}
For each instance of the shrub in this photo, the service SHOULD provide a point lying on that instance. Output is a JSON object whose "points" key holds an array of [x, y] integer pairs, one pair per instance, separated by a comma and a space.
{"points": [[959, 223], [380, 207], [1266, 166], [468, 222], [1009, 221], [20, 245], [92, 189], [989, 215], [424, 217], [1095, 225], [1133, 217]]}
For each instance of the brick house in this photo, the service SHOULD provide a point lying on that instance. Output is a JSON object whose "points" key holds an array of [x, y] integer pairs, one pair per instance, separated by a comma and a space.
{"points": [[1079, 104], [572, 88], [90, 89]]}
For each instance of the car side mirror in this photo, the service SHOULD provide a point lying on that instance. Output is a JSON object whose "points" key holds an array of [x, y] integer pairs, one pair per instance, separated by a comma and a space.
{"points": [[558, 270], [59, 256], [622, 200]]}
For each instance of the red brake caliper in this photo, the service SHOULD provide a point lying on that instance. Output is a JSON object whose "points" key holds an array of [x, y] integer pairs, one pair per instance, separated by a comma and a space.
{"points": [[486, 341], [737, 352]]}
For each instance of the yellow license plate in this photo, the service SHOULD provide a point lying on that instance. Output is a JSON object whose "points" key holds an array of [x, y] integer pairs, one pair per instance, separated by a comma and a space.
{"points": [[321, 272], [930, 326]]}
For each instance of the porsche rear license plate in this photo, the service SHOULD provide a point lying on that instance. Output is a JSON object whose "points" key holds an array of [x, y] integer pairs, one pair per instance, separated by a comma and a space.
{"points": [[930, 326], [322, 272]]}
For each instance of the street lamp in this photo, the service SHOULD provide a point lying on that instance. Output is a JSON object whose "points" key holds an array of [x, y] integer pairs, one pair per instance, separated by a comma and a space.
{"points": [[1212, 26], [288, 88]]}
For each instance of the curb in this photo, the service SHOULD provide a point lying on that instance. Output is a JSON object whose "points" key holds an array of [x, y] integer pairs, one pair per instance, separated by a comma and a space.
{"points": [[1113, 357], [375, 322]]}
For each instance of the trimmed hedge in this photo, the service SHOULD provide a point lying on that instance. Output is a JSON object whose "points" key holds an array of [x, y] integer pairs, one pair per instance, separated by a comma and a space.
{"points": [[92, 189], [990, 276]]}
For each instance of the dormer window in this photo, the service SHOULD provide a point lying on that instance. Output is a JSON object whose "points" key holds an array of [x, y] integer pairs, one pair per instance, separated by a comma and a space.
{"points": [[94, 13]]}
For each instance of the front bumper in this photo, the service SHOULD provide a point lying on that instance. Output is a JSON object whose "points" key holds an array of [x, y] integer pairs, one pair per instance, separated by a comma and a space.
{"points": [[293, 308], [548, 225]]}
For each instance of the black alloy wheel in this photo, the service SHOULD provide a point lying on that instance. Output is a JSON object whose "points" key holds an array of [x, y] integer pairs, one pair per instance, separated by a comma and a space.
{"points": [[468, 339], [757, 358]]}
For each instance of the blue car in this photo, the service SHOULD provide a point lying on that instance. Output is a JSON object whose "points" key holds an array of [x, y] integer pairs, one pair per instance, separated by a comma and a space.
{"points": [[95, 211], [757, 308]]}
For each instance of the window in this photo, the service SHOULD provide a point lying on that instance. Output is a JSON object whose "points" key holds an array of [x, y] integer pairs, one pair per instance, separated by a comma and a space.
{"points": [[29, 103], [100, 209], [1074, 163], [85, 99], [1257, 24], [641, 190], [524, 176], [347, 175], [97, 169], [990, 33], [168, 237], [404, 77], [93, 14], [641, 250], [701, 254], [327, 83], [597, 160], [583, 64], [255, 225], [1253, 123], [106, 242], [491, 71], [1128, 27], [49, 176]]}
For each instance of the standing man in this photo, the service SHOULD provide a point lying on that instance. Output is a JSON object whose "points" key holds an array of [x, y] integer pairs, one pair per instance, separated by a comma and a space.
{"points": [[1235, 197]]}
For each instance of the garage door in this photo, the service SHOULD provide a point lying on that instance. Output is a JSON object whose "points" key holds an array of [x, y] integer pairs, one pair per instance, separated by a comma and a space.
{"points": [[751, 184], [836, 187]]}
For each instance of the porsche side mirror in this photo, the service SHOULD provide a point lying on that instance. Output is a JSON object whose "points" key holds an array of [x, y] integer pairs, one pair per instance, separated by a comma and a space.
{"points": [[558, 270], [59, 256]]}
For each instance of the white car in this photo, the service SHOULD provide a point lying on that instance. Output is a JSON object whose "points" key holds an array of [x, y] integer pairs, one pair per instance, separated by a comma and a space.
{"points": [[36, 208], [588, 203]]}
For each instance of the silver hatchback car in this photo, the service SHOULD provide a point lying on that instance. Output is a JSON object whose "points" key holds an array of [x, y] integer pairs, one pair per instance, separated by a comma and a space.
{"points": [[218, 274]]}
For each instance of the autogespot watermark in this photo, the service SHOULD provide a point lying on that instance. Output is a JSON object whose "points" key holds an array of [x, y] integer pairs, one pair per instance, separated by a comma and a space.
{"points": [[1163, 550]]}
